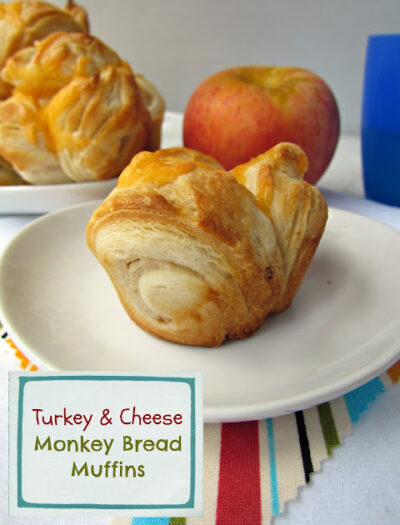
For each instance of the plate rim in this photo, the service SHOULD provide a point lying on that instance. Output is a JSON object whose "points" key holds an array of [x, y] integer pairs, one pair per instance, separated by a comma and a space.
{"points": [[31, 199], [50, 198], [228, 412]]}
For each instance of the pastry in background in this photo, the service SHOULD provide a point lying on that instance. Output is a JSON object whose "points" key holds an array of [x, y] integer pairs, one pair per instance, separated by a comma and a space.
{"points": [[8, 176], [155, 105], [23, 22], [98, 123], [40, 71], [76, 112], [79, 14], [296, 209], [190, 255], [24, 142]]}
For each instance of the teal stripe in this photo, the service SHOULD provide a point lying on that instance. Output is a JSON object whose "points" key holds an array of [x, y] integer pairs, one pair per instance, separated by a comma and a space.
{"points": [[358, 400], [272, 468], [150, 521]]}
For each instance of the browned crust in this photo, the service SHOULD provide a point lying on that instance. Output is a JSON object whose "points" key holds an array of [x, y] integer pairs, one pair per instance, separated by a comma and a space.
{"points": [[297, 209], [77, 106], [23, 22], [213, 209], [264, 255], [315, 228]]}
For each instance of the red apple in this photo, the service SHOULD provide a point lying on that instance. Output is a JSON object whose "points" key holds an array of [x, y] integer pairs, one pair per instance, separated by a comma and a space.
{"points": [[241, 112]]}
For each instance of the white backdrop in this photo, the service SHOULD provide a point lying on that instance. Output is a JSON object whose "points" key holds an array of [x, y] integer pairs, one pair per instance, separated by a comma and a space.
{"points": [[177, 43]]}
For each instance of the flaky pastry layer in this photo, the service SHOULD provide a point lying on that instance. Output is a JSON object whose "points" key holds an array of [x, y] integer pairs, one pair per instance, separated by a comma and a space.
{"points": [[192, 259], [76, 112], [194, 255], [24, 22], [296, 209]]}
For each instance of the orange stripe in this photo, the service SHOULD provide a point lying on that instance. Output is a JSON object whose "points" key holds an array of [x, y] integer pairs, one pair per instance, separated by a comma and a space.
{"points": [[11, 344], [394, 372], [24, 361]]}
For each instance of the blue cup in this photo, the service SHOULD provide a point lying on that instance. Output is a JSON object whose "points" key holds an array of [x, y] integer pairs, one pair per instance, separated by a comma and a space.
{"points": [[380, 120]]}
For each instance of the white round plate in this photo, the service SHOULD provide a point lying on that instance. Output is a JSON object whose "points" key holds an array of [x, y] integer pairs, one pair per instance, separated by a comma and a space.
{"points": [[342, 329], [42, 199]]}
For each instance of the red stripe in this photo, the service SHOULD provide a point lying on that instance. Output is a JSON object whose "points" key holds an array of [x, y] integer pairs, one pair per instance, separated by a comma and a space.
{"points": [[239, 494]]}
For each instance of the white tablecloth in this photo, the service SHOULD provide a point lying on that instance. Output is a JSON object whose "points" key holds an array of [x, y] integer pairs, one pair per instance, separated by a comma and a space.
{"points": [[360, 485]]}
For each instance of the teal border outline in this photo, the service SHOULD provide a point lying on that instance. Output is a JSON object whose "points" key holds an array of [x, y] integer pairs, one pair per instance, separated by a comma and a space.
{"points": [[21, 503]]}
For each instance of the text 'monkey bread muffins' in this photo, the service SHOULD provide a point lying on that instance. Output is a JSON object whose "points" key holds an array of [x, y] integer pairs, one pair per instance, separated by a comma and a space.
{"points": [[194, 257]]}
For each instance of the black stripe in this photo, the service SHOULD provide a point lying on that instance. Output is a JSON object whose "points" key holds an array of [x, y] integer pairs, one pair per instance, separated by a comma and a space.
{"points": [[4, 336], [304, 446]]}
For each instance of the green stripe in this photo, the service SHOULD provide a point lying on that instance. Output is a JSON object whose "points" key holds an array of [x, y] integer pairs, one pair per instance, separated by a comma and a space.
{"points": [[328, 427], [177, 521]]}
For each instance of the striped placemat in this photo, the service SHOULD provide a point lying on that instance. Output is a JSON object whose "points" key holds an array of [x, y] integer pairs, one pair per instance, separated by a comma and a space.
{"points": [[252, 469]]}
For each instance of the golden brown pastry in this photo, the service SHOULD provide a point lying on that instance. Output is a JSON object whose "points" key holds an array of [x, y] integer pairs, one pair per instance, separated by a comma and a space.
{"points": [[98, 123], [8, 176], [155, 105], [296, 209], [191, 256], [174, 155], [24, 142], [41, 70], [194, 256], [79, 14], [23, 22], [76, 113]]}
